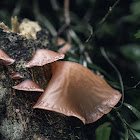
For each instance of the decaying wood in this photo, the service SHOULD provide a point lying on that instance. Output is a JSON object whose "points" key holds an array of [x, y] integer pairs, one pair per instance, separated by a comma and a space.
{"points": [[18, 120]]}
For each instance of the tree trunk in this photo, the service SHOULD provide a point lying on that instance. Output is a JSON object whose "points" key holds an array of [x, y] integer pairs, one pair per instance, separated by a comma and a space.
{"points": [[18, 120]]}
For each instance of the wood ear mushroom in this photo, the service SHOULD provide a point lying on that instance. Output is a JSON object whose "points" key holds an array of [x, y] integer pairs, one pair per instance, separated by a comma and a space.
{"points": [[5, 59], [28, 85], [43, 57], [74, 90], [65, 48], [16, 76]]}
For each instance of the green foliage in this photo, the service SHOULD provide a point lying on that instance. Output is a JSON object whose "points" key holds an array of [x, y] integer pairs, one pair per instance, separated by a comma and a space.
{"points": [[133, 109], [131, 52], [136, 128], [134, 13], [103, 131], [135, 7], [137, 35]]}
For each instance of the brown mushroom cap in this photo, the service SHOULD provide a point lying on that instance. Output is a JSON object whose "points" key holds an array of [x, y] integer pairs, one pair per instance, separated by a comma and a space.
{"points": [[16, 76], [65, 48], [60, 41], [74, 90], [43, 57], [28, 85], [5, 59]]}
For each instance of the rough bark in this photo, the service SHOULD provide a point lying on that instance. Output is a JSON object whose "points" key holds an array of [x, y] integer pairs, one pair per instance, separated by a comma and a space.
{"points": [[18, 120]]}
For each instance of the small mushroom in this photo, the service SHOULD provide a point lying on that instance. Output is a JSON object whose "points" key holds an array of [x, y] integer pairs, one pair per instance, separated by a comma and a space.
{"points": [[28, 85], [74, 90], [16, 76], [65, 48], [43, 57], [5, 59]]}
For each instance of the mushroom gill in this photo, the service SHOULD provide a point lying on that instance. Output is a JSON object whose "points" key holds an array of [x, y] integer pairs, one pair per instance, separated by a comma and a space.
{"points": [[74, 90], [5, 59], [28, 85], [43, 57]]}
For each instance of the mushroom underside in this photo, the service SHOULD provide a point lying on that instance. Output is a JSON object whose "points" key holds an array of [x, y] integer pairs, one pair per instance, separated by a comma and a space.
{"points": [[5, 59]]}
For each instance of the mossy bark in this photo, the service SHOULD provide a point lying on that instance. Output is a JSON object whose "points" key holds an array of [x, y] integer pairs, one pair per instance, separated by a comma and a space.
{"points": [[18, 120]]}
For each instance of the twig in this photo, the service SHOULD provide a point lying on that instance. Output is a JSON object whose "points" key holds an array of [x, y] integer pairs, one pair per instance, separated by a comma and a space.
{"points": [[108, 13], [61, 30], [119, 75], [124, 124], [67, 18], [134, 87], [67, 21], [91, 33], [104, 19], [87, 57], [77, 40], [128, 128], [66, 12]]}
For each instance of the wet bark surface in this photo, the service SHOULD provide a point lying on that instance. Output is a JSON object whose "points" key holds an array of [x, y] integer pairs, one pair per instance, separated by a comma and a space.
{"points": [[18, 120]]}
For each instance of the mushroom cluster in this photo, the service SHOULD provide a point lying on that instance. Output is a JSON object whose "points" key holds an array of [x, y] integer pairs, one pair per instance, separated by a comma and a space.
{"points": [[73, 90]]}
